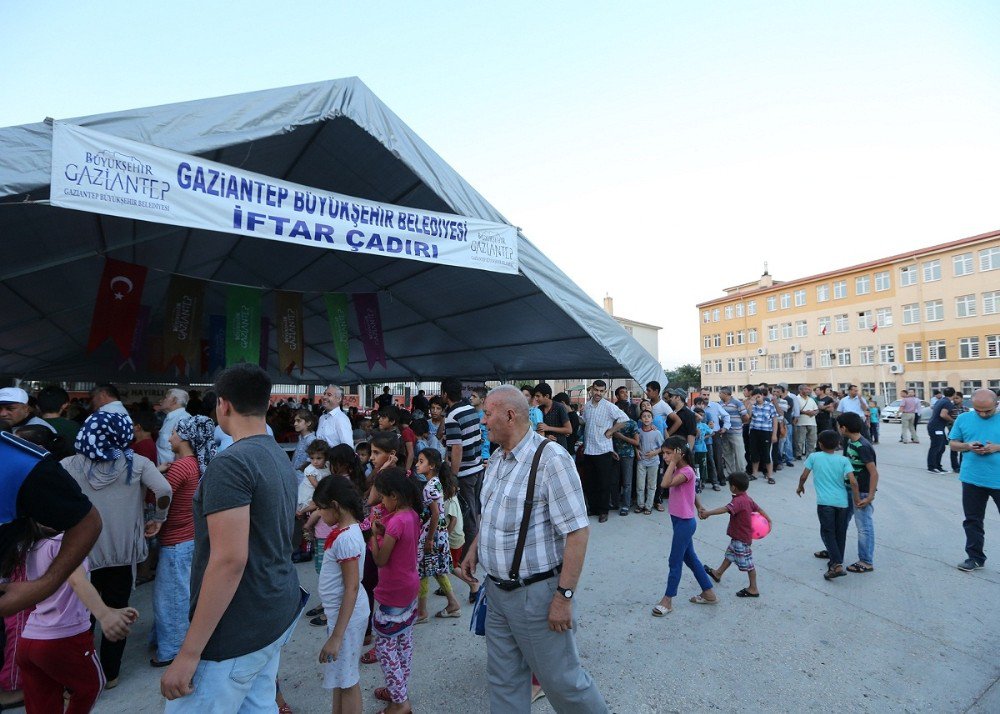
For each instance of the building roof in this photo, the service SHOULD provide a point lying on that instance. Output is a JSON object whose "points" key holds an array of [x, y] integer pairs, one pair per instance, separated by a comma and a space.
{"points": [[753, 288]]}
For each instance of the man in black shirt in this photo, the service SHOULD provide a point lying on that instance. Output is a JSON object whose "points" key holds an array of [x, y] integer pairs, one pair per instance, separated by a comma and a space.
{"points": [[677, 399], [555, 416]]}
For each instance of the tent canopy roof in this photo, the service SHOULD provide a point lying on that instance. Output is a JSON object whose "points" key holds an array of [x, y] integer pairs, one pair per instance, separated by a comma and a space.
{"points": [[336, 136]]}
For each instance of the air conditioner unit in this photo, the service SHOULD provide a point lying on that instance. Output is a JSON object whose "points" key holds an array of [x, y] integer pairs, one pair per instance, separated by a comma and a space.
{"points": [[794, 348], [761, 351], [896, 368]]}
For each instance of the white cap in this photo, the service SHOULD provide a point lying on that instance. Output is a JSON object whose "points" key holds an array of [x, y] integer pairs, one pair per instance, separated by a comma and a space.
{"points": [[13, 395]]}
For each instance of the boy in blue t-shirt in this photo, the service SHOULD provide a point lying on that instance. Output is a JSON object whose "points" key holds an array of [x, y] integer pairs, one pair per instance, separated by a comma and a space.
{"points": [[831, 472], [702, 443]]}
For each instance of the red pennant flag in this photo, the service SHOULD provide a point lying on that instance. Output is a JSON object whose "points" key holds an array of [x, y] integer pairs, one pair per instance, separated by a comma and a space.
{"points": [[117, 306], [823, 331], [875, 327]]}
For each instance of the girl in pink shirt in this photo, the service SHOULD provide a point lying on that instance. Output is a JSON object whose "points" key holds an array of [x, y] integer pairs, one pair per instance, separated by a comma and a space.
{"points": [[683, 506], [57, 648]]}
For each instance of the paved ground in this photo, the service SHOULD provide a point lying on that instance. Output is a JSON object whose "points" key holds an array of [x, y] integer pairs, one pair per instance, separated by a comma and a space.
{"points": [[915, 635]]}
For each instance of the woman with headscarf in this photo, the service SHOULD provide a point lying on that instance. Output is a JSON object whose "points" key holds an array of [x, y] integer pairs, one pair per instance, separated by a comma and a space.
{"points": [[193, 444], [115, 480]]}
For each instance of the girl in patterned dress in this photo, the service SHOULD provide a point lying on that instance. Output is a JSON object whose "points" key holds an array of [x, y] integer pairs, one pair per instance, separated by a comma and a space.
{"points": [[433, 553]]}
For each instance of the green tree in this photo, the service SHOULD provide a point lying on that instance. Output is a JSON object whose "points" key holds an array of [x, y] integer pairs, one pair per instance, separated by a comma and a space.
{"points": [[687, 376]]}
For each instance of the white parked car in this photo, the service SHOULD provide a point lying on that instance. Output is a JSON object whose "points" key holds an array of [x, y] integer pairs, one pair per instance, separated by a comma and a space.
{"points": [[891, 411]]}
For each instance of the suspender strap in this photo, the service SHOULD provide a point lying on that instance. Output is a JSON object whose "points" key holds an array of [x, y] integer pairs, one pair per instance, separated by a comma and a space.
{"points": [[529, 497]]}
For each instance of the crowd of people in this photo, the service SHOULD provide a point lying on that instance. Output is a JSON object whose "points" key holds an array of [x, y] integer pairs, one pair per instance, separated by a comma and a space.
{"points": [[199, 496]]}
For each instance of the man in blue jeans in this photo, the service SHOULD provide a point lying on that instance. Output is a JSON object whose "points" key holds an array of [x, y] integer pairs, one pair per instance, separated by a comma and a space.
{"points": [[936, 425], [976, 435], [245, 595]]}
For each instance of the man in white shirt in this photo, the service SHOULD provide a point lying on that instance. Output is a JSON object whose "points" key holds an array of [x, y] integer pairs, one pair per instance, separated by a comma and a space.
{"points": [[805, 423], [601, 420], [174, 405], [105, 398], [334, 427], [854, 403]]}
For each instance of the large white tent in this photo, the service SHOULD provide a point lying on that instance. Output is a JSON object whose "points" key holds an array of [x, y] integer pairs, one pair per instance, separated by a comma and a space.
{"points": [[336, 136]]}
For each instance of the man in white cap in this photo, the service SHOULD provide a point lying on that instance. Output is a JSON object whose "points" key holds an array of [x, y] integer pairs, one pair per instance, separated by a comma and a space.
{"points": [[14, 409]]}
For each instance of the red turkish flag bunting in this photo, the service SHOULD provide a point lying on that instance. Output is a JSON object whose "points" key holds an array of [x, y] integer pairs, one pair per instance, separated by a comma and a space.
{"points": [[117, 306]]}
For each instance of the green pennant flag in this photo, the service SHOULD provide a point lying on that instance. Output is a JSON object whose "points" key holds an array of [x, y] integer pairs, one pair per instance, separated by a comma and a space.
{"points": [[336, 312], [242, 325]]}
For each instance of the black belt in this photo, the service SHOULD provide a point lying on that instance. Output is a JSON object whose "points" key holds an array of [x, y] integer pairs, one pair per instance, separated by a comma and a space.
{"points": [[508, 585]]}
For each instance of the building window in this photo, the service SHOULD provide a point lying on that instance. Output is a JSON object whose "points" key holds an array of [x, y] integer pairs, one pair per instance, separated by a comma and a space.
{"points": [[728, 311], [883, 281], [844, 386], [888, 391], [932, 271], [706, 316], [913, 352], [866, 355], [908, 276], [800, 298], [715, 315], [886, 354], [862, 285], [841, 323], [717, 340], [968, 348], [916, 389], [824, 325], [707, 367], [741, 364], [807, 359], [731, 364], [865, 320], [786, 330], [730, 339], [994, 384], [934, 310], [971, 385], [825, 358], [772, 304], [801, 328], [989, 259], [965, 306], [707, 342], [937, 351], [822, 293], [718, 366], [911, 313], [772, 333], [752, 335], [774, 362], [993, 345], [786, 301], [991, 302], [840, 289], [788, 360], [739, 309], [844, 356], [937, 387], [962, 264], [867, 389], [741, 337], [753, 364], [752, 307], [883, 317]]}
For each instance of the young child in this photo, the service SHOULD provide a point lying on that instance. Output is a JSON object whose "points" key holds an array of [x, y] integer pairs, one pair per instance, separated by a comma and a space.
{"points": [[456, 530], [702, 443], [316, 470], [434, 554], [339, 504], [425, 439], [740, 532], [832, 471], [56, 652], [437, 417], [388, 420], [873, 415], [364, 452], [304, 424], [684, 506], [860, 452], [650, 443], [535, 415], [393, 545]]}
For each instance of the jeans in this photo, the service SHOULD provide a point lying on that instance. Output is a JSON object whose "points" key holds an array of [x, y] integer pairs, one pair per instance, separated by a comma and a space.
{"points": [[787, 444], [622, 497], [874, 430], [936, 450], [805, 440], [682, 553], [701, 466], [864, 522], [974, 502], [172, 598], [645, 486], [244, 684], [833, 530]]}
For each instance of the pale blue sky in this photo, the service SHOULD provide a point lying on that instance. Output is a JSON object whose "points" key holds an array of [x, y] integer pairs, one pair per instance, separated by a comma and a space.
{"points": [[656, 151]]}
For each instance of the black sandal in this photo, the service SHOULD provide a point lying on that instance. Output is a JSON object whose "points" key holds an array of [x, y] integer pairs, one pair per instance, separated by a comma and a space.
{"points": [[859, 567], [831, 574], [711, 574], [770, 480], [746, 593], [824, 555]]}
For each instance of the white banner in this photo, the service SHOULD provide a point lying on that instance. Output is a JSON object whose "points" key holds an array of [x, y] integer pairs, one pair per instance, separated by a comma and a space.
{"points": [[100, 173]]}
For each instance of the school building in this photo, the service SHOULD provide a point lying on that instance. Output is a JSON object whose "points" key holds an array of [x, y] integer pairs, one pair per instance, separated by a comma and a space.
{"points": [[918, 320]]}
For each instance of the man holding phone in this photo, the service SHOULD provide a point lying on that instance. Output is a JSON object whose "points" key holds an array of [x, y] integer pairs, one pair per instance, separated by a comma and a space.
{"points": [[977, 435]]}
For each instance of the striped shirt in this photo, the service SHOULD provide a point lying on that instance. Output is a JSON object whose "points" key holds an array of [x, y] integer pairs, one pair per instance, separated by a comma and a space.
{"points": [[558, 508], [736, 410], [461, 427], [597, 420], [762, 415]]}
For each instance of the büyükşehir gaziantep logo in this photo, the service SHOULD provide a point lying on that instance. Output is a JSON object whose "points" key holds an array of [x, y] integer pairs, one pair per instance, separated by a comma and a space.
{"points": [[121, 175]]}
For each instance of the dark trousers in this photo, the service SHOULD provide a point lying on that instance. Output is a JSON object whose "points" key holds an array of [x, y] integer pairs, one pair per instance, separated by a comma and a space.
{"points": [[717, 468], [833, 523], [974, 501], [874, 431], [936, 449], [469, 487], [369, 581], [760, 448], [114, 585], [602, 472], [956, 459]]}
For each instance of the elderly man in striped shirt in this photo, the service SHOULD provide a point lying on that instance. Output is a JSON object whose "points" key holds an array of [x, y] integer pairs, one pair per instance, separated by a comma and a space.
{"points": [[529, 623]]}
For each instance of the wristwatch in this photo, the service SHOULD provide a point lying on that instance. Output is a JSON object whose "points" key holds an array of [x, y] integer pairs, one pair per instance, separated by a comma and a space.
{"points": [[565, 592]]}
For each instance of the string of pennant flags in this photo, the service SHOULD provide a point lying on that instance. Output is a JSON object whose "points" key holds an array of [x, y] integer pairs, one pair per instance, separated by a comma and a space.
{"points": [[242, 334]]}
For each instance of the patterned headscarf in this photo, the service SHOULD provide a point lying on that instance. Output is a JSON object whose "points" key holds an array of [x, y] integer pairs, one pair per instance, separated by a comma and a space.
{"points": [[199, 432], [106, 436]]}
